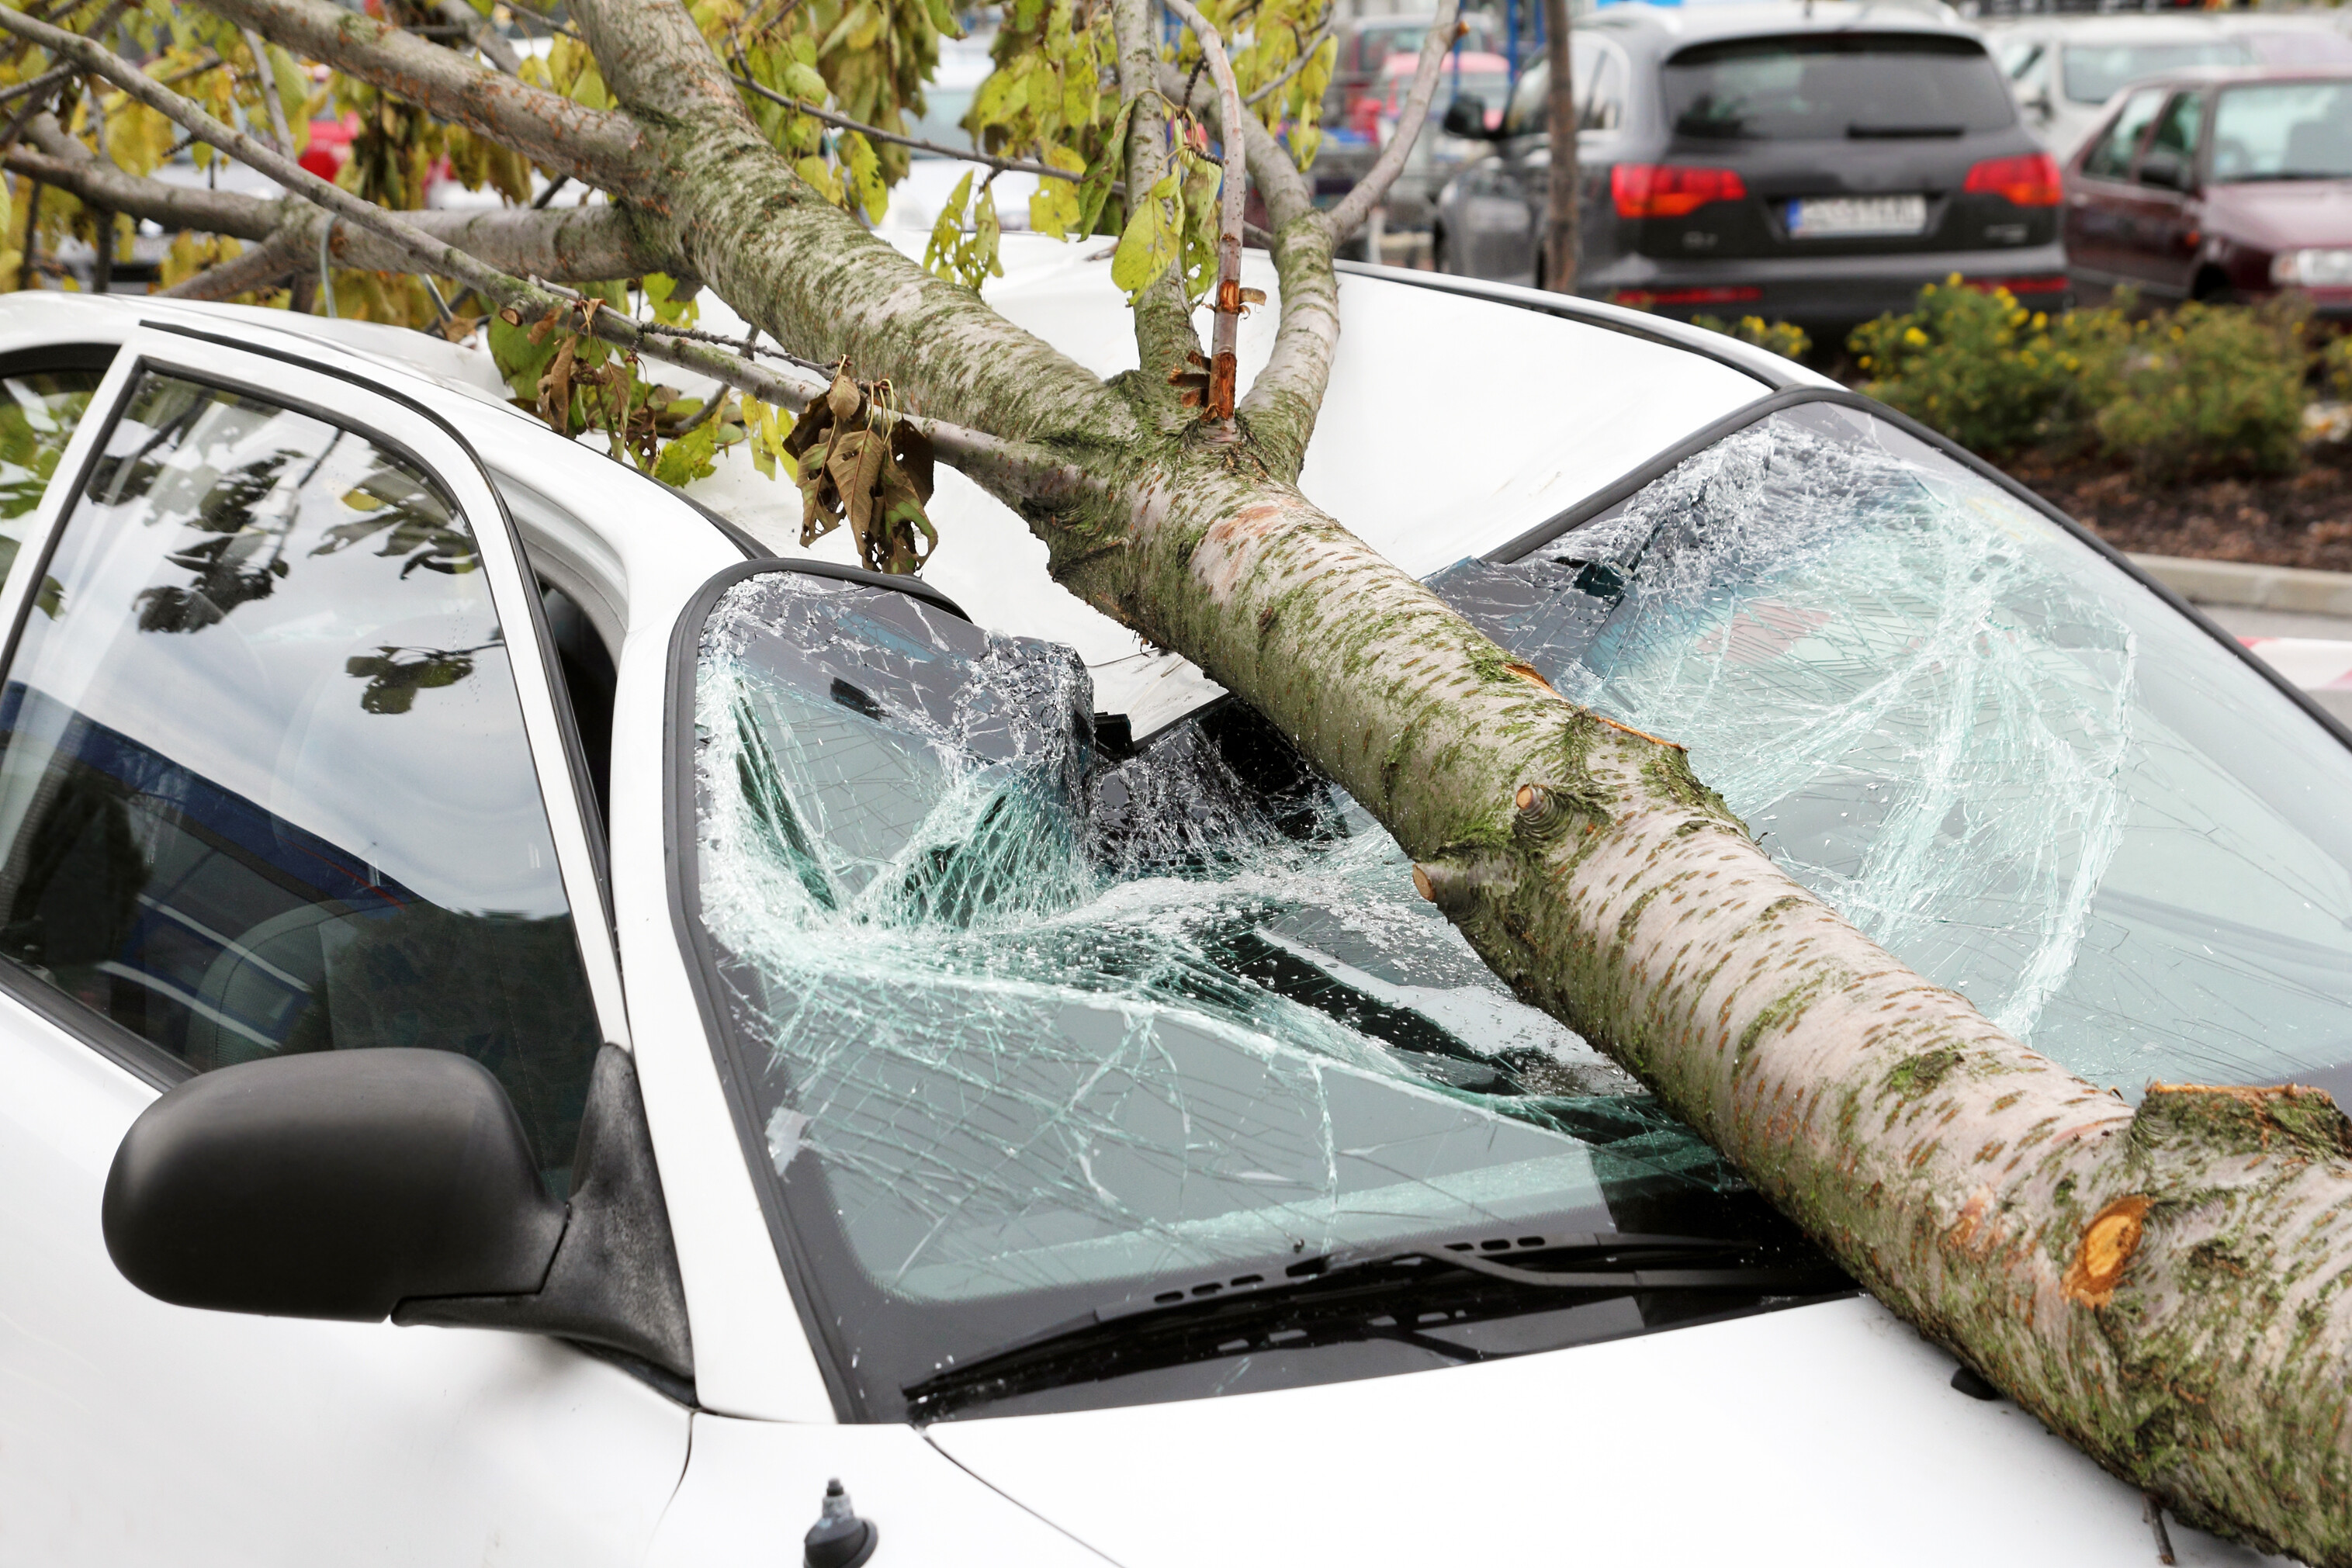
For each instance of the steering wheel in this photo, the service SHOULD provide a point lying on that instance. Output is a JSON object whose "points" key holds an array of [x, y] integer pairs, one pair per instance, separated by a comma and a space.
{"points": [[2231, 158]]}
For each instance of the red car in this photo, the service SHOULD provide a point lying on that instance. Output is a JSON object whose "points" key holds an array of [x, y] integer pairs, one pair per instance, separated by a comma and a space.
{"points": [[2218, 185]]}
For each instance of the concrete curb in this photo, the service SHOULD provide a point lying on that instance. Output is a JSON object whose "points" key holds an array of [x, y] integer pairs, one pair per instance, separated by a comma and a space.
{"points": [[2290, 587]]}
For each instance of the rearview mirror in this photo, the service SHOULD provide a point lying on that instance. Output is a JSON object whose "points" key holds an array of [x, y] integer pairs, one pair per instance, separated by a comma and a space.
{"points": [[361, 1185], [1466, 116]]}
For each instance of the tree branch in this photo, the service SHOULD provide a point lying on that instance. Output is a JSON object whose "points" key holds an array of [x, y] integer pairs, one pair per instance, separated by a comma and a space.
{"points": [[1232, 191], [1373, 188], [573, 244], [264, 266], [265, 81], [1284, 401], [1322, 34], [809, 274], [596, 146], [1166, 345], [875, 133]]}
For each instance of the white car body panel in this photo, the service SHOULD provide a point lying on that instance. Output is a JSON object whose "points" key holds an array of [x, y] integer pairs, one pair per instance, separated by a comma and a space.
{"points": [[137, 1432], [1820, 1435]]}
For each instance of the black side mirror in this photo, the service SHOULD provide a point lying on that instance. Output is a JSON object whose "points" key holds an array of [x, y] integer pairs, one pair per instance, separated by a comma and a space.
{"points": [[1466, 117], [2166, 170], [363, 1184]]}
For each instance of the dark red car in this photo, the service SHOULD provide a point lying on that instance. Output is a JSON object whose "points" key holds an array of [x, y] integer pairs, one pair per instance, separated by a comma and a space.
{"points": [[2218, 185]]}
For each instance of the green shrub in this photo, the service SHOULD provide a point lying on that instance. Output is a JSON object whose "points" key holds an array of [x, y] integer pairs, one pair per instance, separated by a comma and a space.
{"points": [[2211, 390], [1785, 338], [2335, 367], [1989, 373]]}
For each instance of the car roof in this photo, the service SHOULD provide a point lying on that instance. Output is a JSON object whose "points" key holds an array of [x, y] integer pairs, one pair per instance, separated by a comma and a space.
{"points": [[1668, 28], [2149, 27], [2205, 75]]}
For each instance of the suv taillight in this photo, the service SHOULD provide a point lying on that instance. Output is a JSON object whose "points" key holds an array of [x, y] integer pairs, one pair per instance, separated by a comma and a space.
{"points": [[1671, 190], [2029, 180]]}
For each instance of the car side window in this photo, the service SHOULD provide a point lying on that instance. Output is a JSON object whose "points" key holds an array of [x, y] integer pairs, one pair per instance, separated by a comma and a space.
{"points": [[1604, 100], [1524, 114], [2112, 158], [39, 410], [2172, 151], [264, 785]]}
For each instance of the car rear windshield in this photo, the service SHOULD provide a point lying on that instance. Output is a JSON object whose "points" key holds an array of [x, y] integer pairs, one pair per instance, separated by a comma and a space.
{"points": [[2284, 130], [1818, 88], [2093, 73]]}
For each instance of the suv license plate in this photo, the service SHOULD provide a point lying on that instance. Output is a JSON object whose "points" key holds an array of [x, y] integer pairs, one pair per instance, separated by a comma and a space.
{"points": [[1824, 217]]}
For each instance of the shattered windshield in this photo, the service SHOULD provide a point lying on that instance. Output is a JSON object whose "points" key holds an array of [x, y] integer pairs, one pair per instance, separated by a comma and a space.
{"points": [[2021, 771], [1045, 1041], [1035, 1032]]}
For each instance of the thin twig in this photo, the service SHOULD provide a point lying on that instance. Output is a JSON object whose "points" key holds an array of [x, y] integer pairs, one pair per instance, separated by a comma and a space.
{"points": [[875, 133], [265, 82], [1373, 188], [1322, 33], [1232, 193], [1014, 466]]}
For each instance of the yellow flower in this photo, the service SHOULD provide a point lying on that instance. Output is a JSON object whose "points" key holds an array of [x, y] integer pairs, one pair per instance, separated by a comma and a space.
{"points": [[1915, 338]]}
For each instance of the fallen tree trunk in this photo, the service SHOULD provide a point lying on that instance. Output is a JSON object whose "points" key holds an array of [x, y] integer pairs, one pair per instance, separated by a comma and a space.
{"points": [[2163, 1286]]}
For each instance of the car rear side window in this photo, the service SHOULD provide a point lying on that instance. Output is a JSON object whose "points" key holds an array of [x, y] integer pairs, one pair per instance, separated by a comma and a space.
{"points": [[264, 786], [39, 410], [2112, 158], [1836, 86], [2094, 72]]}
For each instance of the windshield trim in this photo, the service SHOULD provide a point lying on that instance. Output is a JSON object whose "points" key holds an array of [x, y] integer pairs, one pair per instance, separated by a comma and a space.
{"points": [[735, 1072], [1740, 419]]}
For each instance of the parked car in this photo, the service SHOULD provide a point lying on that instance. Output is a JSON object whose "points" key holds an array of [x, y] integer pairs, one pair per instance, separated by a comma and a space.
{"points": [[2220, 184], [748, 1024], [1816, 164], [1367, 44], [1411, 199], [2065, 70]]}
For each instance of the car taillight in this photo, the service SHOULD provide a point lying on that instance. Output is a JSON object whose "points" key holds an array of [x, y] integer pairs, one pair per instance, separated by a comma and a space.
{"points": [[1720, 294], [1671, 190], [2028, 180], [2040, 283]]}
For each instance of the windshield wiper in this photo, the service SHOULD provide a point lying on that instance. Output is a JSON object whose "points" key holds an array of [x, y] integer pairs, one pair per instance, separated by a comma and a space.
{"points": [[1363, 1293], [1891, 132]]}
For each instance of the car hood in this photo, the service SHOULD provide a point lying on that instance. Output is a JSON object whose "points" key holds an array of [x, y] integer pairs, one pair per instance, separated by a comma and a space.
{"points": [[2284, 215], [1823, 1434]]}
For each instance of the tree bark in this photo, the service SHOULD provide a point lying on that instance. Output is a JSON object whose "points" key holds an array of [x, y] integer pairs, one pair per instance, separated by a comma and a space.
{"points": [[1561, 239], [2168, 1287]]}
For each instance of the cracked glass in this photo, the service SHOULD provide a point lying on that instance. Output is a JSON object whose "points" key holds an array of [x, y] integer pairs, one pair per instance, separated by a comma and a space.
{"points": [[2021, 770], [1034, 1033]]}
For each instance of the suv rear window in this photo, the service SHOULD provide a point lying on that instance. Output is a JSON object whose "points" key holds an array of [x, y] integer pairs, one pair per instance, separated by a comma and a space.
{"points": [[1830, 86]]}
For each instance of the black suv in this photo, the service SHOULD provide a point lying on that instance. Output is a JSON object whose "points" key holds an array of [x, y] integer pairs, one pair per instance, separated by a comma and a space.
{"points": [[1810, 163]]}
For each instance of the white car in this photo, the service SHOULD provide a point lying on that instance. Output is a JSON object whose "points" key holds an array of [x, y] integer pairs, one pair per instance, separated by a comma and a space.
{"points": [[2063, 69], [821, 1036]]}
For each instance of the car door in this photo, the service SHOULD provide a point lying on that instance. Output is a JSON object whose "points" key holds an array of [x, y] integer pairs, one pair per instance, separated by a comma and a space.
{"points": [[2157, 213], [2100, 194], [281, 771]]}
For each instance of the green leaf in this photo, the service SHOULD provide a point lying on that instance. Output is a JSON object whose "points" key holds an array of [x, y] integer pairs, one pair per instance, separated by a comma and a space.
{"points": [[689, 457], [519, 359], [866, 181], [803, 82], [1095, 189], [1148, 247]]}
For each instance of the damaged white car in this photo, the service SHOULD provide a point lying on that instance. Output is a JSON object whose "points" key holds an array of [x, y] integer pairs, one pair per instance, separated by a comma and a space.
{"points": [[541, 1029]]}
